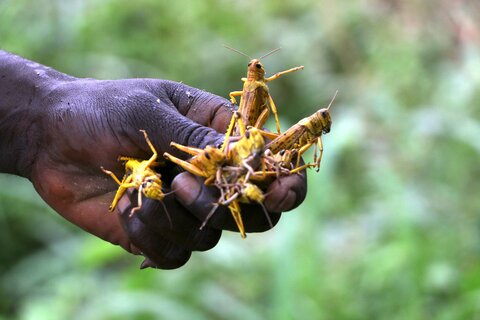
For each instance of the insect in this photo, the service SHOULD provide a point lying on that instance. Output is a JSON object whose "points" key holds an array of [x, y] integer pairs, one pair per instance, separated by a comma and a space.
{"points": [[255, 98], [204, 163], [247, 151], [140, 175], [304, 134], [235, 193]]}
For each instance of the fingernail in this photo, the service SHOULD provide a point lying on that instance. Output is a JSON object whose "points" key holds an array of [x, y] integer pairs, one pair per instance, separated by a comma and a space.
{"points": [[187, 188], [147, 263]]}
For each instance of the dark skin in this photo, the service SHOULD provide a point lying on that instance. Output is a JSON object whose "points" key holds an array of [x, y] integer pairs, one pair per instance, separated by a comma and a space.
{"points": [[57, 131]]}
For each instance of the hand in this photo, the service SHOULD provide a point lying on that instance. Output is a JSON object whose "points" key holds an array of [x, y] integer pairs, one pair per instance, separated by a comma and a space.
{"points": [[87, 124]]}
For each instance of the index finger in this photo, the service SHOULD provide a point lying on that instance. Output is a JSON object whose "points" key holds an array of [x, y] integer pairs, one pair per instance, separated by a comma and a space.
{"points": [[203, 107]]}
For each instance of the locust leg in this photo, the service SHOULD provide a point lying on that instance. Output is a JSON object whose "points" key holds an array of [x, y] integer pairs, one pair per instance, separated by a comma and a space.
{"points": [[120, 191], [302, 151], [249, 168], [269, 135], [124, 185], [185, 165], [279, 74], [153, 158], [320, 151], [228, 201], [300, 168], [236, 119], [234, 94], [209, 215], [262, 118], [266, 214], [235, 211], [274, 111], [230, 130], [241, 124], [190, 150], [111, 174], [139, 203]]}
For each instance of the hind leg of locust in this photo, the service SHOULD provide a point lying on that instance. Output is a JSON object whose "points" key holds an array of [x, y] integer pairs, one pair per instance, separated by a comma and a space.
{"points": [[236, 120], [235, 211], [274, 111], [185, 165], [153, 158], [139, 203], [190, 150], [121, 189], [316, 159]]}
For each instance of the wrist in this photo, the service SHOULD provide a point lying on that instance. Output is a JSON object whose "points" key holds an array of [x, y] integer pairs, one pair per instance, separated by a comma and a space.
{"points": [[23, 83]]}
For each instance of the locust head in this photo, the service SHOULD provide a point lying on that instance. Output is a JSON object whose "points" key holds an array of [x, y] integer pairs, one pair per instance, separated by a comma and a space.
{"points": [[152, 187], [320, 122], [256, 70], [211, 158], [324, 121], [252, 193]]}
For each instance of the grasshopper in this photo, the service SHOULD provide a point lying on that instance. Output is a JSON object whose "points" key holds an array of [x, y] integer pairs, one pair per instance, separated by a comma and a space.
{"points": [[247, 151], [204, 163], [303, 135], [255, 97], [239, 192], [226, 167], [140, 175]]}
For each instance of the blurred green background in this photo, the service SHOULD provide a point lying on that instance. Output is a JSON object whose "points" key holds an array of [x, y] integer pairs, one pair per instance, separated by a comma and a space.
{"points": [[390, 228]]}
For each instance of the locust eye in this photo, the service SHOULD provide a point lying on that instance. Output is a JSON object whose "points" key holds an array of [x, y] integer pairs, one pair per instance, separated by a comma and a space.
{"points": [[207, 156], [282, 152], [258, 65], [247, 134], [323, 113], [218, 146]]}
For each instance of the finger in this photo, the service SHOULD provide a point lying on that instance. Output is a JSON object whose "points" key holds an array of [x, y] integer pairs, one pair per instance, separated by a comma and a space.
{"points": [[286, 193], [162, 253], [200, 106], [200, 199], [177, 224], [170, 111]]}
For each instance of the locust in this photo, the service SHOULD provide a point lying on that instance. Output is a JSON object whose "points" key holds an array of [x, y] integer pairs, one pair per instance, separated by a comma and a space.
{"points": [[247, 151], [204, 163], [235, 193], [236, 163], [139, 175], [242, 156], [303, 135], [255, 98]]}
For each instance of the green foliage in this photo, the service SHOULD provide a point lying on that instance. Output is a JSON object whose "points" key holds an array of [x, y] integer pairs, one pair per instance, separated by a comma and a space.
{"points": [[390, 228]]}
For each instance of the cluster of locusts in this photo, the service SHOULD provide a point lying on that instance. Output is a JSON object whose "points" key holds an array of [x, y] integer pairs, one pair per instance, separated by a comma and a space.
{"points": [[246, 162]]}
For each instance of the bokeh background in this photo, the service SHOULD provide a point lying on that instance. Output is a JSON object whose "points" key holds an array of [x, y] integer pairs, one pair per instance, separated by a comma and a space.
{"points": [[390, 228]]}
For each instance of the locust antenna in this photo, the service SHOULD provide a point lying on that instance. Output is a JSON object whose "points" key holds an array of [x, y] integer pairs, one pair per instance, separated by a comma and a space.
{"points": [[238, 51], [331, 101], [269, 53]]}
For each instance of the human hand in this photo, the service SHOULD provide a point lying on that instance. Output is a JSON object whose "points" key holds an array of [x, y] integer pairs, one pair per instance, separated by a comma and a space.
{"points": [[86, 124]]}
